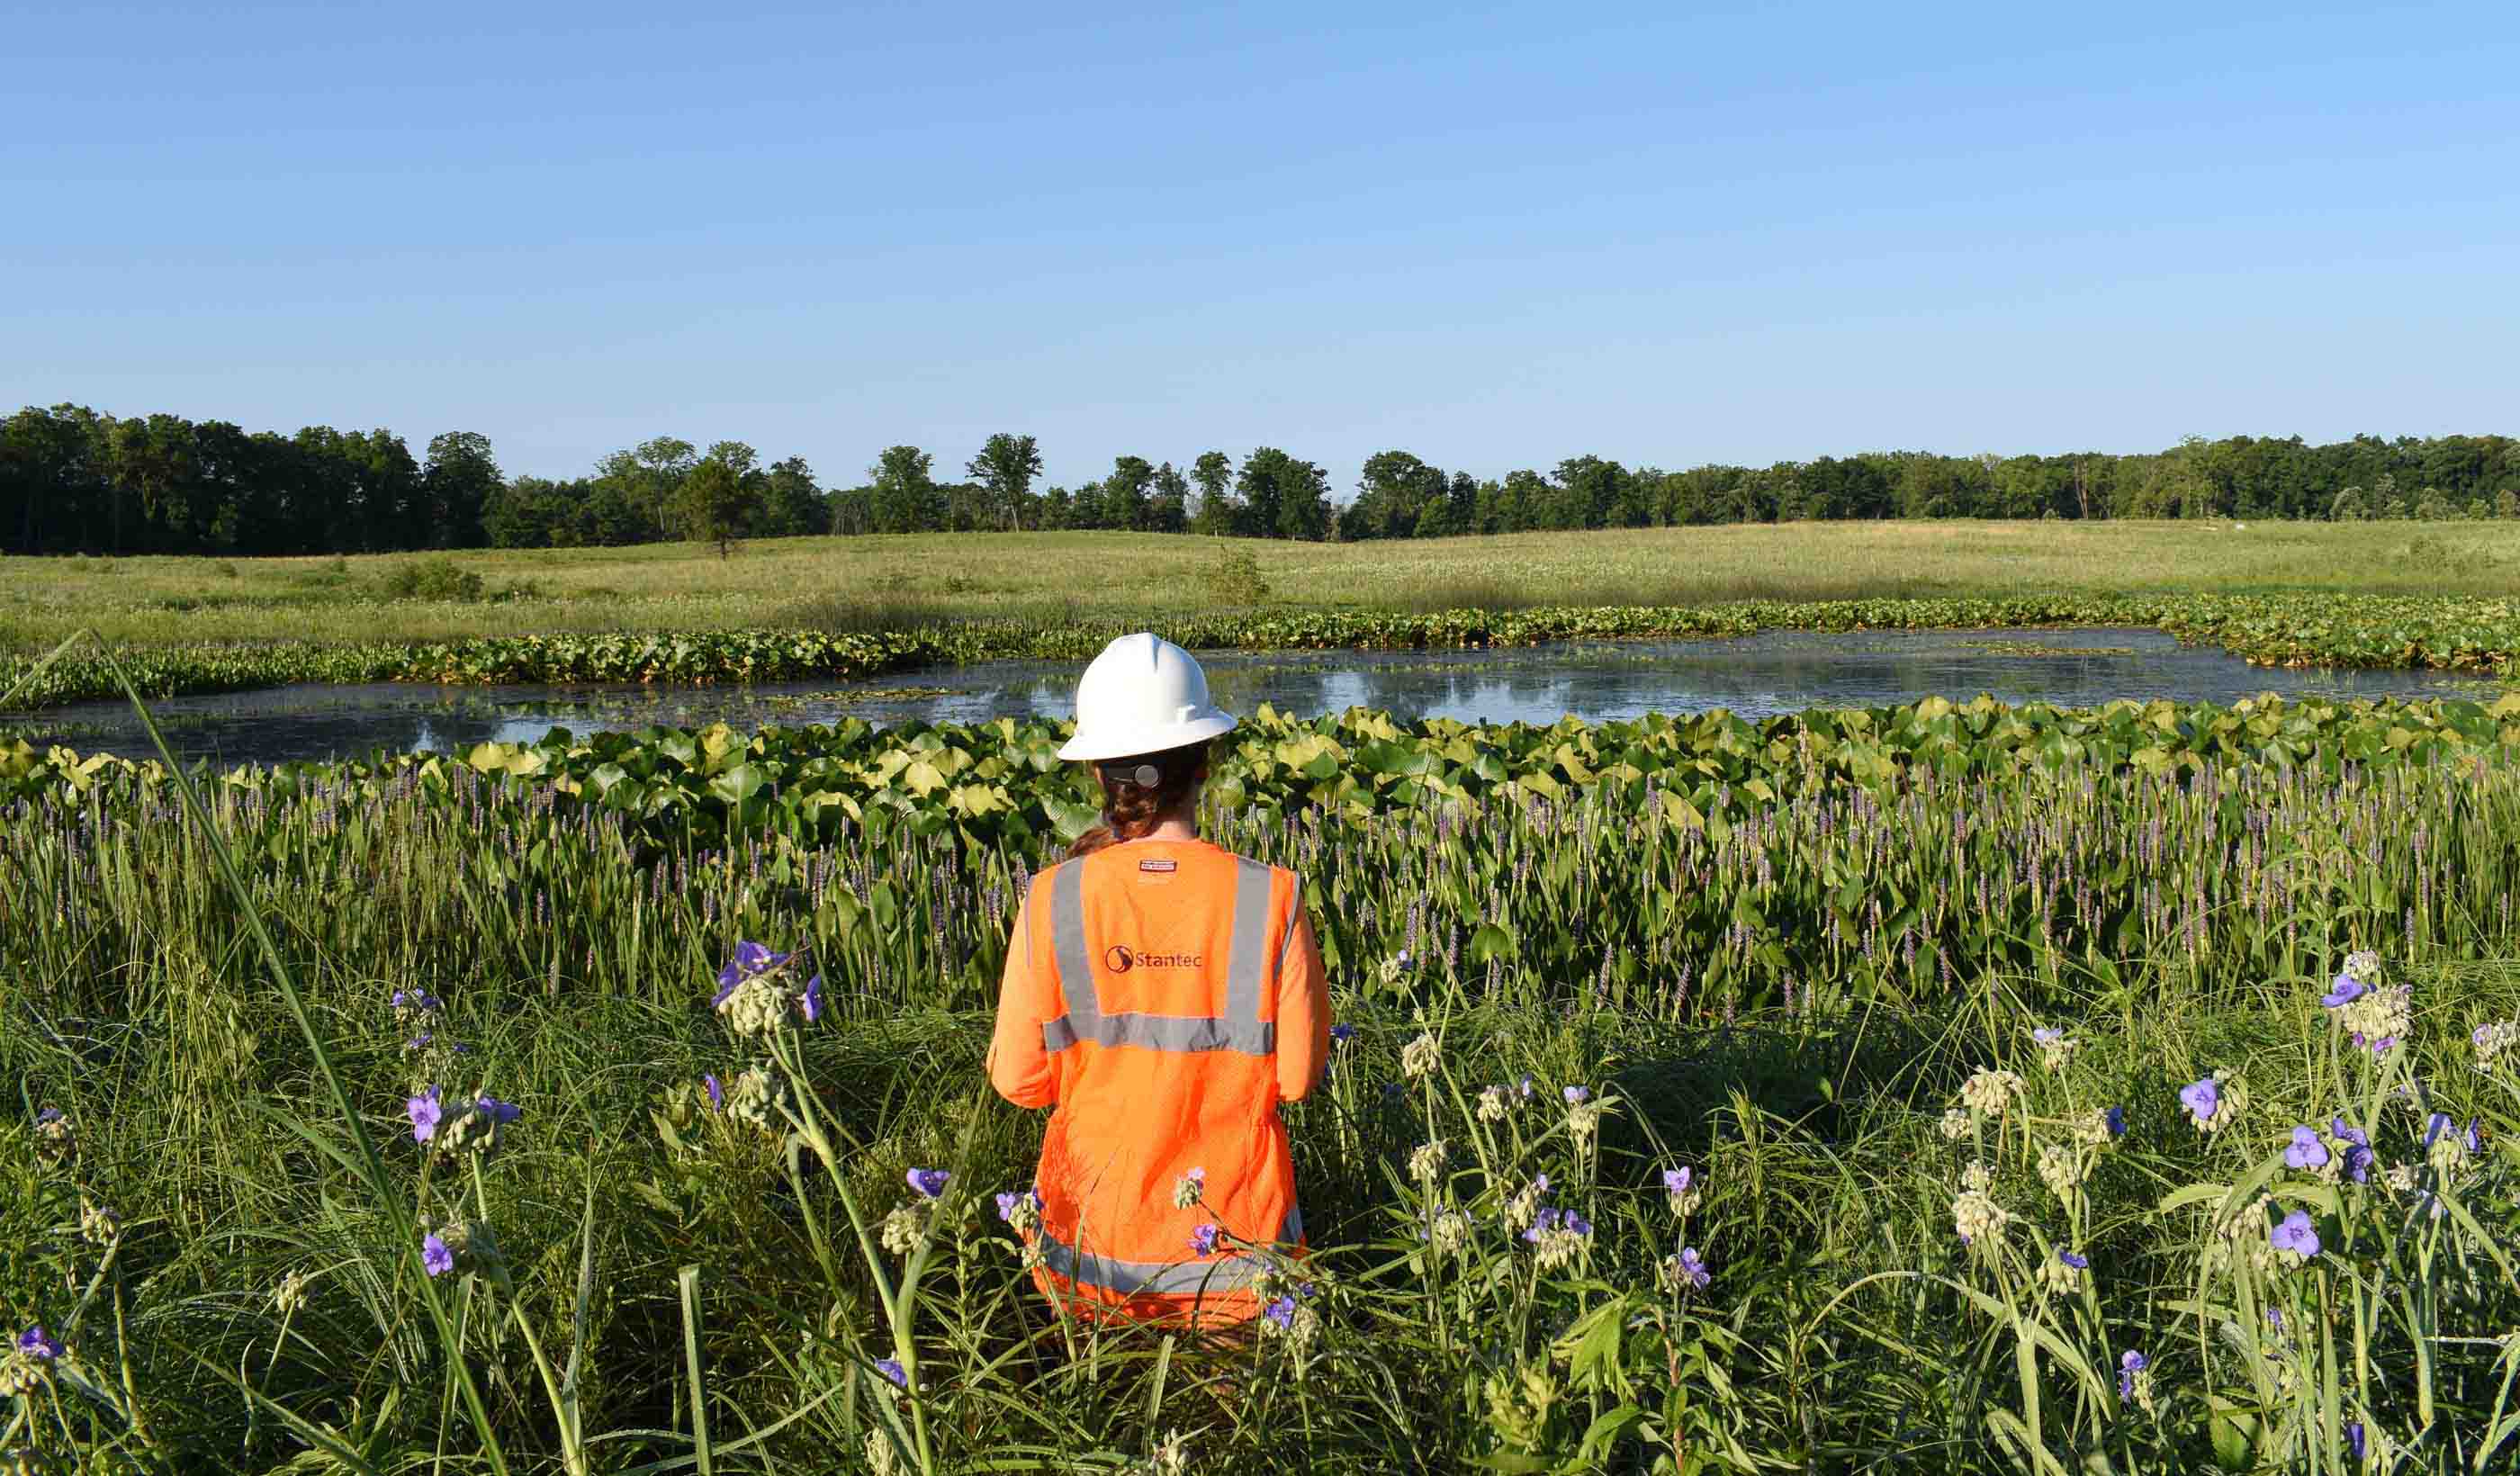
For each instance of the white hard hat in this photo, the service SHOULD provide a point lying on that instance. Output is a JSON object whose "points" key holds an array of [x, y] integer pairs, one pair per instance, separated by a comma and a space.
{"points": [[1144, 694]]}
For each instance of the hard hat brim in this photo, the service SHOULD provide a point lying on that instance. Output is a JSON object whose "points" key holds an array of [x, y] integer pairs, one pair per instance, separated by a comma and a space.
{"points": [[1091, 744]]}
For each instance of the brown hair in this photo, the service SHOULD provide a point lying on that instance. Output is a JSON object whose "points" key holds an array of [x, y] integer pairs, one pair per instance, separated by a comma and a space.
{"points": [[1133, 807]]}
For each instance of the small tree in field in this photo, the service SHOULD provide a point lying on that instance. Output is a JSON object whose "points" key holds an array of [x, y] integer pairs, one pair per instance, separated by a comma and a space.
{"points": [[717, 500]]}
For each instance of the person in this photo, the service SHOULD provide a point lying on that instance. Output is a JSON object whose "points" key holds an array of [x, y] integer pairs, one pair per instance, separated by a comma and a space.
{"points": [[1163, 996]]}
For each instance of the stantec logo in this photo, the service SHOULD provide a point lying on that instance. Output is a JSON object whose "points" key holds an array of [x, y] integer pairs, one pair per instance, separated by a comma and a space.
{"points": [[1120, 958]]}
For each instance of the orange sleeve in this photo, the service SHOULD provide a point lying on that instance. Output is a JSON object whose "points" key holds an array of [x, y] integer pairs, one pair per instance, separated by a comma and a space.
{"points": [[1018, 1067], [1303, 1011]]}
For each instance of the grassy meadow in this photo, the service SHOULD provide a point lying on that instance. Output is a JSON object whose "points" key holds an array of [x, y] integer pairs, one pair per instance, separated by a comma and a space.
{"points": [[880, 583]]}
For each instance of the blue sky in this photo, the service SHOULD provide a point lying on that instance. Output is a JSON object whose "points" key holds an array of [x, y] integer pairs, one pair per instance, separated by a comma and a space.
{"points": [[1494, 236]]}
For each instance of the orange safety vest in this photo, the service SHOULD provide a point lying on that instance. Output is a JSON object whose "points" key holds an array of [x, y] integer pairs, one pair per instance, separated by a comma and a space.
{"points": [[1165, 997]]}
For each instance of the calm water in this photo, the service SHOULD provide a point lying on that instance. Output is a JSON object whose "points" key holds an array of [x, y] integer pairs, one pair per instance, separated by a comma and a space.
{"points": [[1756, 675]]}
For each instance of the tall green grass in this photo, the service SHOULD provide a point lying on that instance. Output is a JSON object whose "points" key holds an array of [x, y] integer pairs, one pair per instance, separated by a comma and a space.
{"points": [[203, 984]]}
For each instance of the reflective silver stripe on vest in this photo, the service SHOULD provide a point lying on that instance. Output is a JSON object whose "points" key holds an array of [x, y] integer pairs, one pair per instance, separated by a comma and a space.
{"points": [[1174, 1279], [1240, 1029]]}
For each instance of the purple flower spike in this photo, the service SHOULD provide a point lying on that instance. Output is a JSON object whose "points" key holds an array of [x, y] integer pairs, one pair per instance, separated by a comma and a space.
{"points": [[891, 1367], [2348, 989], [2307, 1151], [929, 1183], [1202, 1240], [434, 1257], [2296, 1234], [425, 1112]]}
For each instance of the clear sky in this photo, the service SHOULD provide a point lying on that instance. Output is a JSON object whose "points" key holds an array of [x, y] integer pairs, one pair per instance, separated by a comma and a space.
{"points": [[1496, 236]]}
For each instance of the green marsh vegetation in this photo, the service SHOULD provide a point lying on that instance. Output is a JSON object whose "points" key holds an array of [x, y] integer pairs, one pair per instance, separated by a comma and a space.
{"points": [[1874, 981]]}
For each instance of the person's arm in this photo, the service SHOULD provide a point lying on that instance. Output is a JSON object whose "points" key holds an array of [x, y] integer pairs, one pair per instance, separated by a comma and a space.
{"points": [[1303, 1012], [1018, 1067]]}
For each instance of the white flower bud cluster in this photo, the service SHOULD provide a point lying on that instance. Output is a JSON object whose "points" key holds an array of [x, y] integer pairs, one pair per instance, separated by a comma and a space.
{"points": [[2062, 1169], [55, 1139], [97, 1225], [290, 1296], [1170, 1457], [2381, 1017], [757, 1004], [753, 1097], [1583, 1118], [2091, 1128], [1556, 1246], [1956, 1124], [1523, 1208], [1451, 1232], [1492, 1104], [880, 1456], [1190, 1189], [904, 1227], [1991, 1092], [2496, 1044], [2055, 1047], [1426, 1161], [22, 1372], [1418, 1058], [2363, 965], [1978, 1219], [1977, 1178], [2058, 1277]]}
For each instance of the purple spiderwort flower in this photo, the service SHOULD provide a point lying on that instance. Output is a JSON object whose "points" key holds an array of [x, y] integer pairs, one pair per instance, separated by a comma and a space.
{"points": [[426, 1111], [37, 1343], [2345, 1131], [1202, 1240], [47, 1117], [2353, 1438], [1574, 1224], [2201, 1098], [1340, 1034], [1692, 1267], [2075, 1259], [716, 1092], [434, 1257], [1523, 1087], [810, 1004], [419, 1042], [750, 959], [2116, 1119], [499, 1113], [414, 999], [1576, 1094], [2348, 989], [1676, 1182], [2129, 1364], [2296, 1234], [1007, 1203], [1541, 1223], [2307, 1151], [929, 1183], [1282, 1312], [891, 1367], [2048, 1035]]}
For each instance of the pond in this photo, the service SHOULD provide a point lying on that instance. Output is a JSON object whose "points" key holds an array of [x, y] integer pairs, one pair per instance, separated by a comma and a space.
{"points": [[1755, 676]]}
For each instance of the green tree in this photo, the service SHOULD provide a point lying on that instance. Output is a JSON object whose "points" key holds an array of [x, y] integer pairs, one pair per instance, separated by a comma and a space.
{"points": [[902, 493], [1006, 465], [721, 495], [792, 502], [1282, 497], [1168, 507], [458, 482], [1213, 476]]}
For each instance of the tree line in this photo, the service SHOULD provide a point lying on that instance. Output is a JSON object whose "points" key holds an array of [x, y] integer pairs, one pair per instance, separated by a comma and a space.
{"points": [[75, 480]]}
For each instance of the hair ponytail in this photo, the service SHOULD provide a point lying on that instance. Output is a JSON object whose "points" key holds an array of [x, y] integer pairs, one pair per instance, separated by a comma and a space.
{"points": [[1139, 792]]}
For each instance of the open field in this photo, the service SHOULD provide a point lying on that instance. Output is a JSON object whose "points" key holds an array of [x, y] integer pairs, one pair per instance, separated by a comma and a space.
{"points": [[878, 583], [1809, 977]]}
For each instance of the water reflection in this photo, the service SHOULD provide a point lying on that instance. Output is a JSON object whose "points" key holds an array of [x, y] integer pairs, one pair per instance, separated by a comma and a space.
{"points": [[1782, 671]]}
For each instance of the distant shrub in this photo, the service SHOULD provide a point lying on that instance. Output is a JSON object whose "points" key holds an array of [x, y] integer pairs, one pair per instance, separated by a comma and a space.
{"points": [[521, 589], [1234, 578], [224, 570], [438, 578]]}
